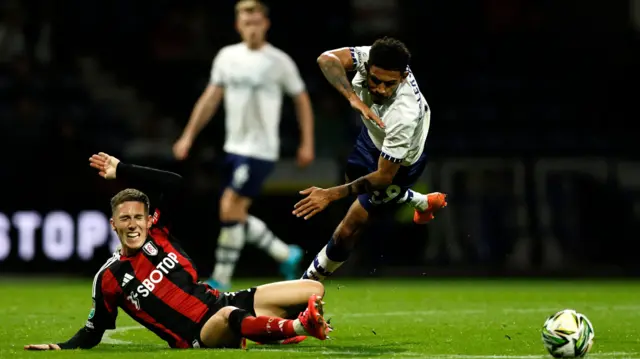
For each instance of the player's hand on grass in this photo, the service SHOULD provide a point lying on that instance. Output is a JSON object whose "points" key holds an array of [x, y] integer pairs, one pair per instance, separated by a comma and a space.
{"points": [[105, 164], [365, 111], [305, 155], [42, 347], [316, 201], [181, 148]]}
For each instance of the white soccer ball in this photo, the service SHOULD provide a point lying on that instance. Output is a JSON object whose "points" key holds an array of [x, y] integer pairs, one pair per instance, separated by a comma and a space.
{"points": [[567, 334]]}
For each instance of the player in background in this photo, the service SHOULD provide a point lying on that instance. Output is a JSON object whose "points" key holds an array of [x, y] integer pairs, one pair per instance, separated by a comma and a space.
{"points": [[154, 281], [389, 155], [251, 77]]}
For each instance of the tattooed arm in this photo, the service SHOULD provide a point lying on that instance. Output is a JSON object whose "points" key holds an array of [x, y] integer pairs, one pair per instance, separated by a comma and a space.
{"points": [[319, 198], [334, 65], [374, 181]]}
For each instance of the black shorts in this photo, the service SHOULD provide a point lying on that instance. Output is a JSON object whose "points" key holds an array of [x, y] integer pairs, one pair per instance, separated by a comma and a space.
{"points": [[242, 299]]}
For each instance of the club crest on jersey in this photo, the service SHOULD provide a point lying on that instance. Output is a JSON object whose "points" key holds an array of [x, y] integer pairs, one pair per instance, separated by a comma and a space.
{"points": [[150, 249]]}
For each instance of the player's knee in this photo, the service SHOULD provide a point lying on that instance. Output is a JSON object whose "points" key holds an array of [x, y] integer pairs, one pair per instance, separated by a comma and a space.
{"points": [[233, 207], [312, 286], [222, 329], [225, 312], [315, 287]]}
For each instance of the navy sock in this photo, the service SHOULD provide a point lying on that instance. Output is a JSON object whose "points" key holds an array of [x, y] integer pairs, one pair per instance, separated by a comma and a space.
{"points": [[327, 261], [337, 252]]}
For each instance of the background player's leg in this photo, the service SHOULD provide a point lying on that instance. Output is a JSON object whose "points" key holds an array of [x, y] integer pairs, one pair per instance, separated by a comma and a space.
{"points": [[289, 256], [340, 245], [257, 232], [233, 214], [285, 299]]}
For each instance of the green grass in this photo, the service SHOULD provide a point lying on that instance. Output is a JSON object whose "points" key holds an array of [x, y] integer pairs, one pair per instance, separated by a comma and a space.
{"points": [[455, 319]]}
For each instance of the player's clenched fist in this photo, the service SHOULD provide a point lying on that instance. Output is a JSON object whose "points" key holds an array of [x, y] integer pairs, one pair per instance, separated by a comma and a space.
{"points": [[317, 200], [181, 148], [42, 347]]}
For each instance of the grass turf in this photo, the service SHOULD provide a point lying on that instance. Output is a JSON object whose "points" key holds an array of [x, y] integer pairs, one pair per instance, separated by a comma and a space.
{"points": [[454, 319]]}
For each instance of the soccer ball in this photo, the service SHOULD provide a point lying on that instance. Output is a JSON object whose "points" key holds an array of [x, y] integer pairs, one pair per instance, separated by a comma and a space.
{"points": [[567, 334]]}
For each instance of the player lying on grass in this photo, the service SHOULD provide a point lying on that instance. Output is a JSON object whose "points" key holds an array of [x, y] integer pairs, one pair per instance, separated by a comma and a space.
{"points": [[389, 155], [154, 281]]}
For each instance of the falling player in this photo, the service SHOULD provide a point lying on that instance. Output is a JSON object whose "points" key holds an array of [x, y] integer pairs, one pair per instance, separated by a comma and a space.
{"points": [[154, 281], [389, 155], [251, 75]]}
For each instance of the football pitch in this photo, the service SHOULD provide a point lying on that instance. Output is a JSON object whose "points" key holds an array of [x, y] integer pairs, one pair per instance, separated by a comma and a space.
{"points": [[442, 319]]}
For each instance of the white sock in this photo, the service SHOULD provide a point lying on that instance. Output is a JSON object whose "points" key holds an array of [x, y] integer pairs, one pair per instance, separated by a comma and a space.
{"points": [[415, 199], [230, 244], [299, 328], [259, 235], [321, 267]]}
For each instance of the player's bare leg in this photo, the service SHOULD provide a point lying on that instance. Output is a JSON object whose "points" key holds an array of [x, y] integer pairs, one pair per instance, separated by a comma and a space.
{"points": [[287, 300], [229, 325], [337, 250], [425, 204], [216, 332]]}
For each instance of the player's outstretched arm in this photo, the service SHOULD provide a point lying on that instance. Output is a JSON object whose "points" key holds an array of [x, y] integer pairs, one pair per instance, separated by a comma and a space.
{"points": [[85, 338], [319, 198], [110, 167]]}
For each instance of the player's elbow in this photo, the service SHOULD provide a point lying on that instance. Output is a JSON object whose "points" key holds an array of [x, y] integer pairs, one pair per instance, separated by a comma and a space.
{"points": [[322, 58], [326, 57]]}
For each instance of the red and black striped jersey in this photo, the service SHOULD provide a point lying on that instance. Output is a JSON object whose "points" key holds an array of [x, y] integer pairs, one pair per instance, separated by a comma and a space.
{"points": [[158, 287]]}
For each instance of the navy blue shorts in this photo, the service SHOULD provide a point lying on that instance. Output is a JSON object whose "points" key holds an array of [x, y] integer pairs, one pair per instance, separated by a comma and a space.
{"points": [[364, 160], [246, 175]]}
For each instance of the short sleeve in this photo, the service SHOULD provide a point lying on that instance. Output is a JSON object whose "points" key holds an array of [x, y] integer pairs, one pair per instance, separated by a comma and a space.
{"points": [[398, 134], [292, 82], [217, 70], [104, 310], [360, 56]]}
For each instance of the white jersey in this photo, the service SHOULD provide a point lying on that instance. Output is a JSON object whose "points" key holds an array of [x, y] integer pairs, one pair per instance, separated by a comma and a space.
{"points": [[253, 82], [406, 115]]}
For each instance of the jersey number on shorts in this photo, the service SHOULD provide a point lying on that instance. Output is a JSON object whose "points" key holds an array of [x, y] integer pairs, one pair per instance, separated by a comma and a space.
{"points": [[388, 195], [240, 176]]}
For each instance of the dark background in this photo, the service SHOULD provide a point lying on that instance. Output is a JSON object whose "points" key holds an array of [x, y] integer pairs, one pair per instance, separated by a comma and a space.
{"points": [[533, 131]]}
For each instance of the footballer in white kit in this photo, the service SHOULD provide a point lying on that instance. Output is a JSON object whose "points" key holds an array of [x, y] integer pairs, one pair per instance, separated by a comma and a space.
{"points": [[251, 78], [389, 155]]}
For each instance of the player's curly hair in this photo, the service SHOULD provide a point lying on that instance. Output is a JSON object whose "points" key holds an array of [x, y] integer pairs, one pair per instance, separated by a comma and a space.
{"points": [[389, 54], [127, 195]]}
